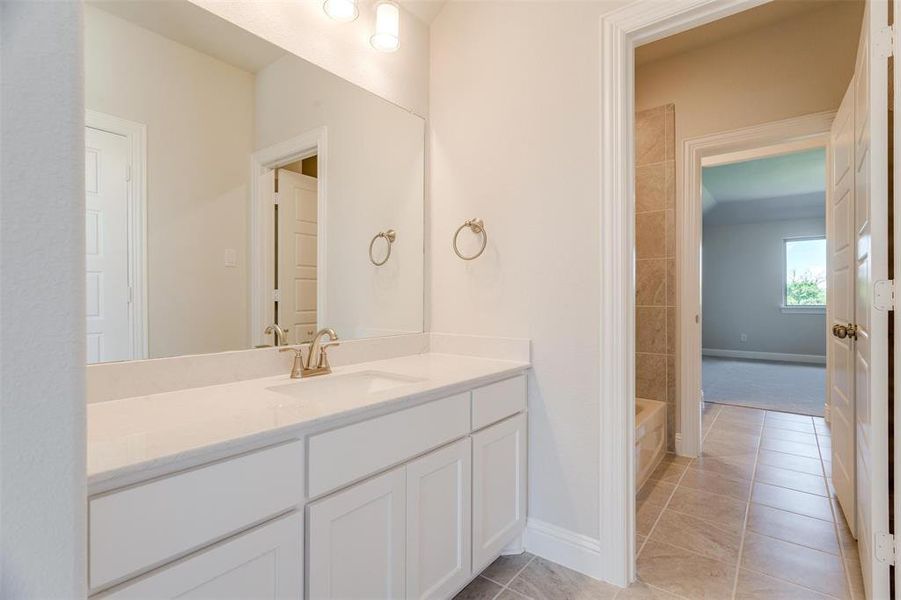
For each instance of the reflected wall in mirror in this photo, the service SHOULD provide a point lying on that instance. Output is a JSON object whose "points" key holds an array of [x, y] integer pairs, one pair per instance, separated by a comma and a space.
{"points": [[231, 186]]}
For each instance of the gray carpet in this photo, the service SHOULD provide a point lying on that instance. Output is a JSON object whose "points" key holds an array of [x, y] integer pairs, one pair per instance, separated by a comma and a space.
{"points": [[788, 387]]}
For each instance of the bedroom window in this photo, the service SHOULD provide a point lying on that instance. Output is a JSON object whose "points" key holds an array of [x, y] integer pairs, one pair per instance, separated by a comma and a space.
{"points": [[805, 275]]}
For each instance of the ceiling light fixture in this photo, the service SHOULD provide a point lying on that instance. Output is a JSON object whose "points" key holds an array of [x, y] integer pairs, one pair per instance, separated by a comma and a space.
{"points": [[343, 11], [387, 26]]}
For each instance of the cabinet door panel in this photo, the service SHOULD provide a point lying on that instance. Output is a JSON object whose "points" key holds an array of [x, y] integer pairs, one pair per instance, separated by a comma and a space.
{"points": [[499, 488], [264, 563], [357, 542], [439, 522]]}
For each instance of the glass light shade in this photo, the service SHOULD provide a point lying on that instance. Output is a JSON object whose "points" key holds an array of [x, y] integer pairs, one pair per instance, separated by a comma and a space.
{"points": [[342, 11], [387, 26]]}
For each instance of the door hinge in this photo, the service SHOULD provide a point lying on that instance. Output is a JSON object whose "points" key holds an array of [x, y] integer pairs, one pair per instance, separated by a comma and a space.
{"points": [[276, 295], [884, 548], [275, 199], [883, 41], [884, 294]]}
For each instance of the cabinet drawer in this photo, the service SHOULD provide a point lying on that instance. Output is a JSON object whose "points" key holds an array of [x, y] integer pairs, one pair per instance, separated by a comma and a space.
{"points": [[265, 562], [350, 453], [144, 526], [495, 402]]}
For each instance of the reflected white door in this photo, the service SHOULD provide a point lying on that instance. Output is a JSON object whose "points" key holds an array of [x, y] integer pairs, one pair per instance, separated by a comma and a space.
{"points": [[106, 247], [297, 254], [841, 303], [871, 263]]}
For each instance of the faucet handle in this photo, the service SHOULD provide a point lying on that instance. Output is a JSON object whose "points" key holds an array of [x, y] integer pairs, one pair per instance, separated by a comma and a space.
{"points": [[323, 356], [297, 367]]}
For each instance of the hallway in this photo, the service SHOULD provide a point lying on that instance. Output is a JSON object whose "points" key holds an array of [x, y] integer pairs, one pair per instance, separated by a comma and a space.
{"points": [[749, 520]]}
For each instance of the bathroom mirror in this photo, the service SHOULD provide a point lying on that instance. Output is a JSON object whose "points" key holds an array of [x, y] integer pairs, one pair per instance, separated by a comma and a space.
{"points": [[231, 185]]}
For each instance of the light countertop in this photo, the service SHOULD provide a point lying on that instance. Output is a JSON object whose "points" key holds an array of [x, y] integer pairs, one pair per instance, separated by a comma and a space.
{"points": [[133, 439]]}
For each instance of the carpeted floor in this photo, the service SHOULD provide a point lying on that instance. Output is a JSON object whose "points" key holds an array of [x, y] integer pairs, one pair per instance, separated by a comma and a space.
{"points": [[787, 387]]}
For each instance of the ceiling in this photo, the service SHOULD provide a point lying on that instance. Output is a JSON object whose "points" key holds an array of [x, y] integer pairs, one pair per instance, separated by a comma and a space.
{"points": [[424, 10], [773, 188], [737, 24], [197, 28]]}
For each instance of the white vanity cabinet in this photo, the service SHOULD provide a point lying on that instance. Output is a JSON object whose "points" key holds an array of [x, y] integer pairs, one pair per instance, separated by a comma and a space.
{"points": [[262, 563], [410, 503], [498, 488]]}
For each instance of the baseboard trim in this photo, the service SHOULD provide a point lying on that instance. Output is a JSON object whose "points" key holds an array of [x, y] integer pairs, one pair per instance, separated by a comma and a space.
{"points": [[572, 550], [773, 356]]}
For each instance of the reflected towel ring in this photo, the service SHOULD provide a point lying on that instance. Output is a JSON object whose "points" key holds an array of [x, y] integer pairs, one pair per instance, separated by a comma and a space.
{"points": [[389, 236], [477, 226]]}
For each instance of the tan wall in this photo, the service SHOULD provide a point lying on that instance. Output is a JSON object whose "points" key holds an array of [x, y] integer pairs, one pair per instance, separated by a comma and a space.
{"points": [[655, 265], [199, 117]]}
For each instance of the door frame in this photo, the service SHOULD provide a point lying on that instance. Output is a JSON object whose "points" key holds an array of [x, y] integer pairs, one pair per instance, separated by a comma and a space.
{"points": [[136, 189], [261, 251], [747, 143], [621, 30]]}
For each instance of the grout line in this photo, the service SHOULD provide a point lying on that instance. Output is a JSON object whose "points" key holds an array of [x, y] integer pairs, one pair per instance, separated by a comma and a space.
{"points": [[797, 585], [512, 579], [744, 526]]}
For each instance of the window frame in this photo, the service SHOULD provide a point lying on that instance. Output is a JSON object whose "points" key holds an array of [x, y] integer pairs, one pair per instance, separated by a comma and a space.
{"points": [[814, 309]]}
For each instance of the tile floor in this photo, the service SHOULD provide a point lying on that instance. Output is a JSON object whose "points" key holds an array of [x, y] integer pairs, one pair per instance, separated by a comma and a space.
{"points": [[754, 518]]}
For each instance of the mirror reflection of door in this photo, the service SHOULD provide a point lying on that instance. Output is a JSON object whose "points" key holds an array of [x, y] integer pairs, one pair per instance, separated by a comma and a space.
{"points": [[296, 227], [106, 247]]}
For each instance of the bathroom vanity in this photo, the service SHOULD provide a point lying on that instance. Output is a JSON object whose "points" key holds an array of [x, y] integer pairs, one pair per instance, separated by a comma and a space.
{"points": [[400, 478]]}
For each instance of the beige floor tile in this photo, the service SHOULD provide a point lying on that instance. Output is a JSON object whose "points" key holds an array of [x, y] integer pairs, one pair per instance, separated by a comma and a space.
{"points": [[790, 425], [542, 579], [642, 591], [655, 492], [791, 462], [792, 527], [697, 535], [798, 564], [735, 467], [776, 445], [505, 568], [645, 516], [722, 510], [721, 448], [671, 468], [685, 573], [812, 484], [744, 412], [509, 594], [479, 589], [789, 435], [792, 501], [756, 586], [735, 427], [711, 481], [781, 416]]}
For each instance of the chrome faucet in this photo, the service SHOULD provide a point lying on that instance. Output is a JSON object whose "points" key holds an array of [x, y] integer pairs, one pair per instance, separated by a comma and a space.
{"points": [[317, 351], [281, 335]]}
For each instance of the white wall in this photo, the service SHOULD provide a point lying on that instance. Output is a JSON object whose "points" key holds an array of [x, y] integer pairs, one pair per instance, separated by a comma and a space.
{"points": [[303, 28], [42, 318], [375, 182], [742, 290], [199, 116], [514, 140]]}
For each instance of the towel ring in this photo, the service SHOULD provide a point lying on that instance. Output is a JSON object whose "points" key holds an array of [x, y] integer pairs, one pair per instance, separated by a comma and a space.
{"points": [[477, 226], [389, 236]]}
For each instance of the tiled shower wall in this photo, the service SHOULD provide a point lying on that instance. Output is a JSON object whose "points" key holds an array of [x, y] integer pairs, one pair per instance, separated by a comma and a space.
{"points": [[655, 249]]}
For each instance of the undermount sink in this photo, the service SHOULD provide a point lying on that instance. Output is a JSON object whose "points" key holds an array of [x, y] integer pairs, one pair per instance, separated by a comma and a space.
{"points": [[364, 382]]}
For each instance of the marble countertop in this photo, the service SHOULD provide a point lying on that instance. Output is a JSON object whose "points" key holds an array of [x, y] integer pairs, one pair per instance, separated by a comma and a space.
{"points": [[134, 439]]}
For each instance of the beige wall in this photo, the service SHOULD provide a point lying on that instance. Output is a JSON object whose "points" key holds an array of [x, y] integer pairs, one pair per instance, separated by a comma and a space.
{"points": [[199, 117], [799, 66]]}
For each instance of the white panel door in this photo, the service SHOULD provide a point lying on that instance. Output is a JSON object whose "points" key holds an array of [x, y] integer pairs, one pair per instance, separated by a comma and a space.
{"points": [[498, 488], [106, 247], [439, 523], [841, 289], [871, 258], [264, 563], [357, 541], [297, 254]]}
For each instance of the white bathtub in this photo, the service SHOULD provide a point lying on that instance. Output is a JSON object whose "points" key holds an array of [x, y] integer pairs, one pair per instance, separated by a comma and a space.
{"points": [[650, 437]]}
